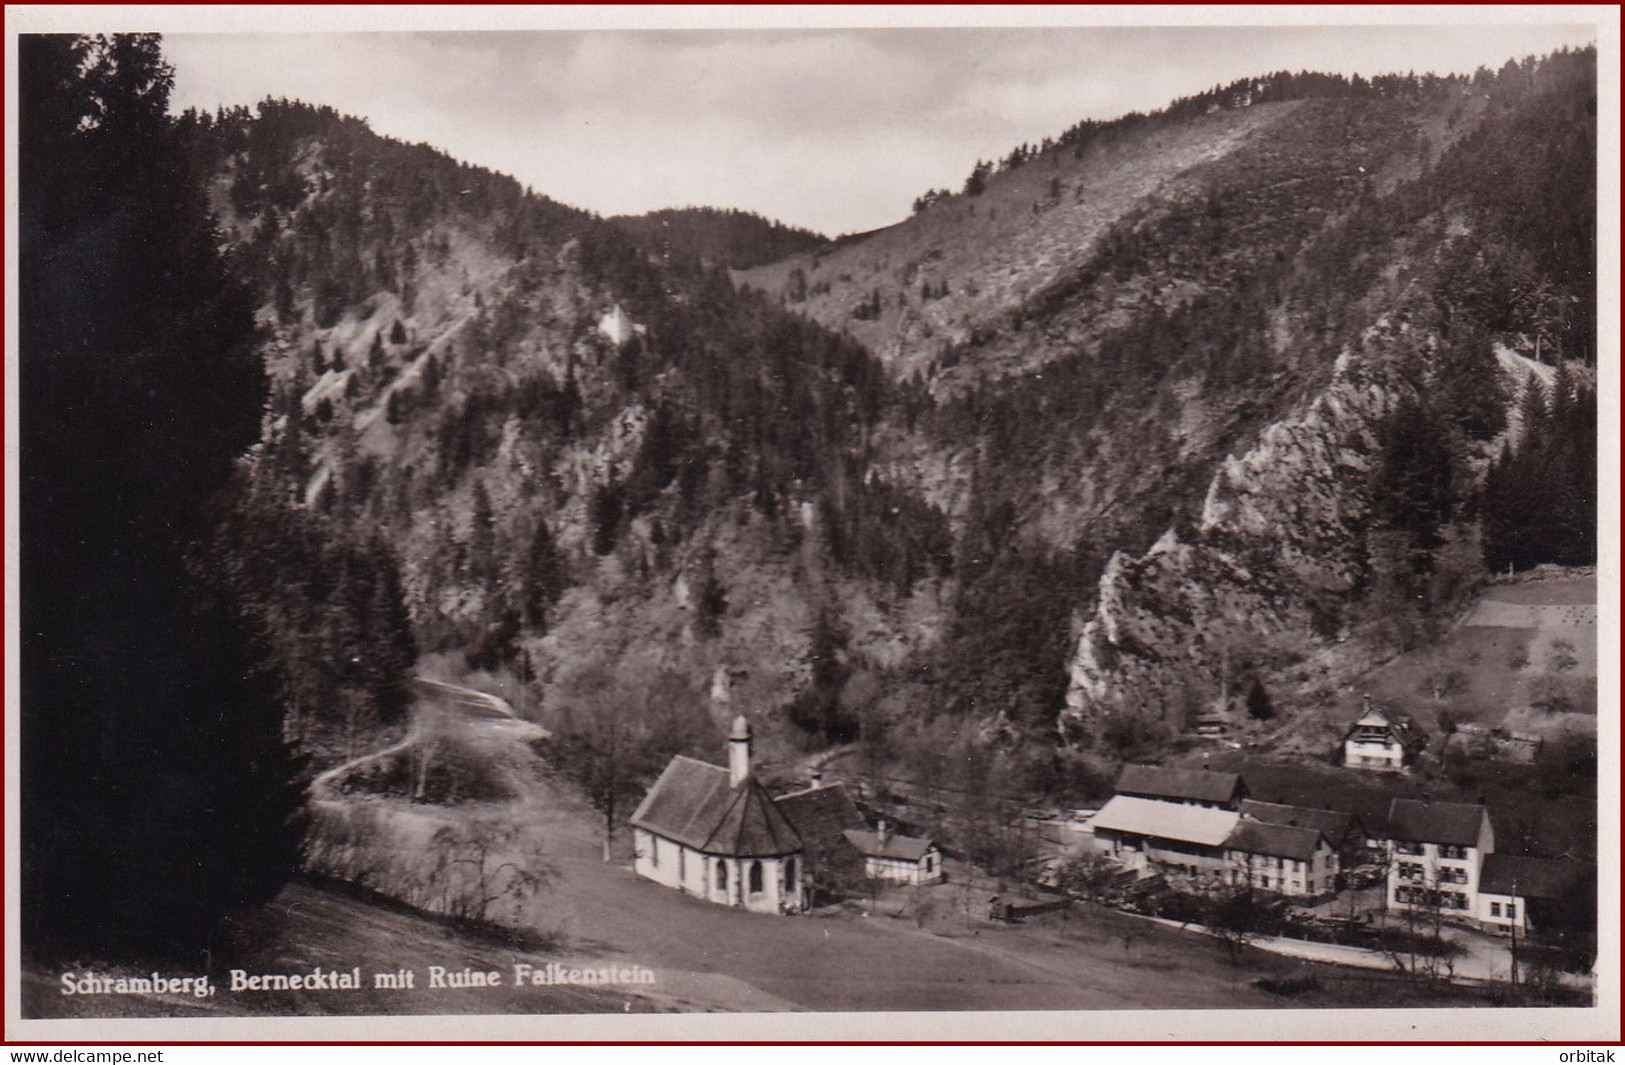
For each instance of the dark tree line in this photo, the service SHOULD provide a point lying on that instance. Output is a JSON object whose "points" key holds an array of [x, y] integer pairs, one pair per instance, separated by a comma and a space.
{"points": [[1539, 499], [727, 237], [156, 790]]}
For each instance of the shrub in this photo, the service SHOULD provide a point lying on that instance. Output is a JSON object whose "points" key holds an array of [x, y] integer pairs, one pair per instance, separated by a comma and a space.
{"points": [[1288, 986]]}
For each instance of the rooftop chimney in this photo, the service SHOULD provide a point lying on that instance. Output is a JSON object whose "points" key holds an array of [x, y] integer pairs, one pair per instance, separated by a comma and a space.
{"points": [[816, 778], [883, 832], [739, 752]]}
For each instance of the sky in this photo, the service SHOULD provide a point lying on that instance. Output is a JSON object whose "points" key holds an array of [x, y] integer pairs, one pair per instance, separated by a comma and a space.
{"points": [[835, 129]]}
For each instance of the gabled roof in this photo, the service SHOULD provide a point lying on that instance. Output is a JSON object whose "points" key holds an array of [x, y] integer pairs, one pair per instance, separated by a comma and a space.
{"points": [[1274, 841], [900, 848], [819, 815], [692, 804], [1534, 878], [1397, 723], [1335, 825], [1160, 782], [1165, 820], [1416, 821]]}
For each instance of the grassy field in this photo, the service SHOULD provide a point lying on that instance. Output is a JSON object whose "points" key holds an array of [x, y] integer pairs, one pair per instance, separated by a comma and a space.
{"points": [[1487, 670], [1565, 591]]}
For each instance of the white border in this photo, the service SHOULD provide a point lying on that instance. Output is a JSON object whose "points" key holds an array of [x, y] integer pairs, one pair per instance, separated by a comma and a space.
{"points": [[1599, 1024]]}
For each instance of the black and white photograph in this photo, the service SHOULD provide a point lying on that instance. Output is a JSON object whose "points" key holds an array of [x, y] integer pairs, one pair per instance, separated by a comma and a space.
{"points": [[812, 523]]}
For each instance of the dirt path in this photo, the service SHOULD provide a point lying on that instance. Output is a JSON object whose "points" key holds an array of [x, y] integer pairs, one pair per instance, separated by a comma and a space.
{"points": [[477, 713]]}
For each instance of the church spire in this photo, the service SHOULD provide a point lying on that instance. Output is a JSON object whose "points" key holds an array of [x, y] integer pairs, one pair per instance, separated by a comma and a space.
{"points": [[739, 752]]}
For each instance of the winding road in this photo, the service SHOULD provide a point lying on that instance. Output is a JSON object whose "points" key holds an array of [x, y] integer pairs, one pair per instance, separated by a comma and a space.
{"points": [[477, 708]]}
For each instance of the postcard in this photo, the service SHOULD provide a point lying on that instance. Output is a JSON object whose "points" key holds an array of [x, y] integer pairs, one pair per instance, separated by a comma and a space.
{"points": [[812, 523]]}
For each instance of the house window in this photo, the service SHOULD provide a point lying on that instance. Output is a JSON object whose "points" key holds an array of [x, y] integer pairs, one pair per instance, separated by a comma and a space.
{"points": [[1407, 847], [755, 878], [1495, 909], [722, 876], [790, 874], [930, 864], [654, 851], [1512, 911]]}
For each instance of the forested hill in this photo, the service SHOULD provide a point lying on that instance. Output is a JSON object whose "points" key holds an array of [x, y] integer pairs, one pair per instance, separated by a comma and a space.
{"points": [[895, 487], [499, 427], [731, 238], [1126, 327]]}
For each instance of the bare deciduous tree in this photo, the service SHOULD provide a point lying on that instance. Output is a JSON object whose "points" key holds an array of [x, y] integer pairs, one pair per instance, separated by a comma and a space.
{"points": [[618, 727], [486, 861]]}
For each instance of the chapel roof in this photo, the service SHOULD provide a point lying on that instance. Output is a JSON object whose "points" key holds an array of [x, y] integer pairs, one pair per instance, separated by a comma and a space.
{"points": [[693, 804]]}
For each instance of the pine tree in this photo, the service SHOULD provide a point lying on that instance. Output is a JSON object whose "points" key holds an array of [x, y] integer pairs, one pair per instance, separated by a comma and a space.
{"points": [[156, 791], [1259, 707], [482, 539], [1413, 486], [605, 511], [544, 578], [390, 648]]}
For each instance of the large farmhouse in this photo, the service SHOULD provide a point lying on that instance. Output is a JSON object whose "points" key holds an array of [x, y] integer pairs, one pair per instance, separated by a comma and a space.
{"points": [[1193, 787], [1205, 847]]}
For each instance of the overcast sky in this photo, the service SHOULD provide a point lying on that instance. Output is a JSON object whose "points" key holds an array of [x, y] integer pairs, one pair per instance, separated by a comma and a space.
{"points": [[834, 130]]}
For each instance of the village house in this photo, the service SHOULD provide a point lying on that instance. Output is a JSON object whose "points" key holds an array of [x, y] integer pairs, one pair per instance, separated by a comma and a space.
{"points": [[715, 833], [1342, 830], [1193, 787], [894, 858], [1384, 740], [1518, 892], [1282, 859], [1436, 852]]}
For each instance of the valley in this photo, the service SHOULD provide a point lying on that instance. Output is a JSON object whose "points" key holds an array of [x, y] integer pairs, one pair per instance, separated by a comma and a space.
{"points": [[1247, 447]]}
